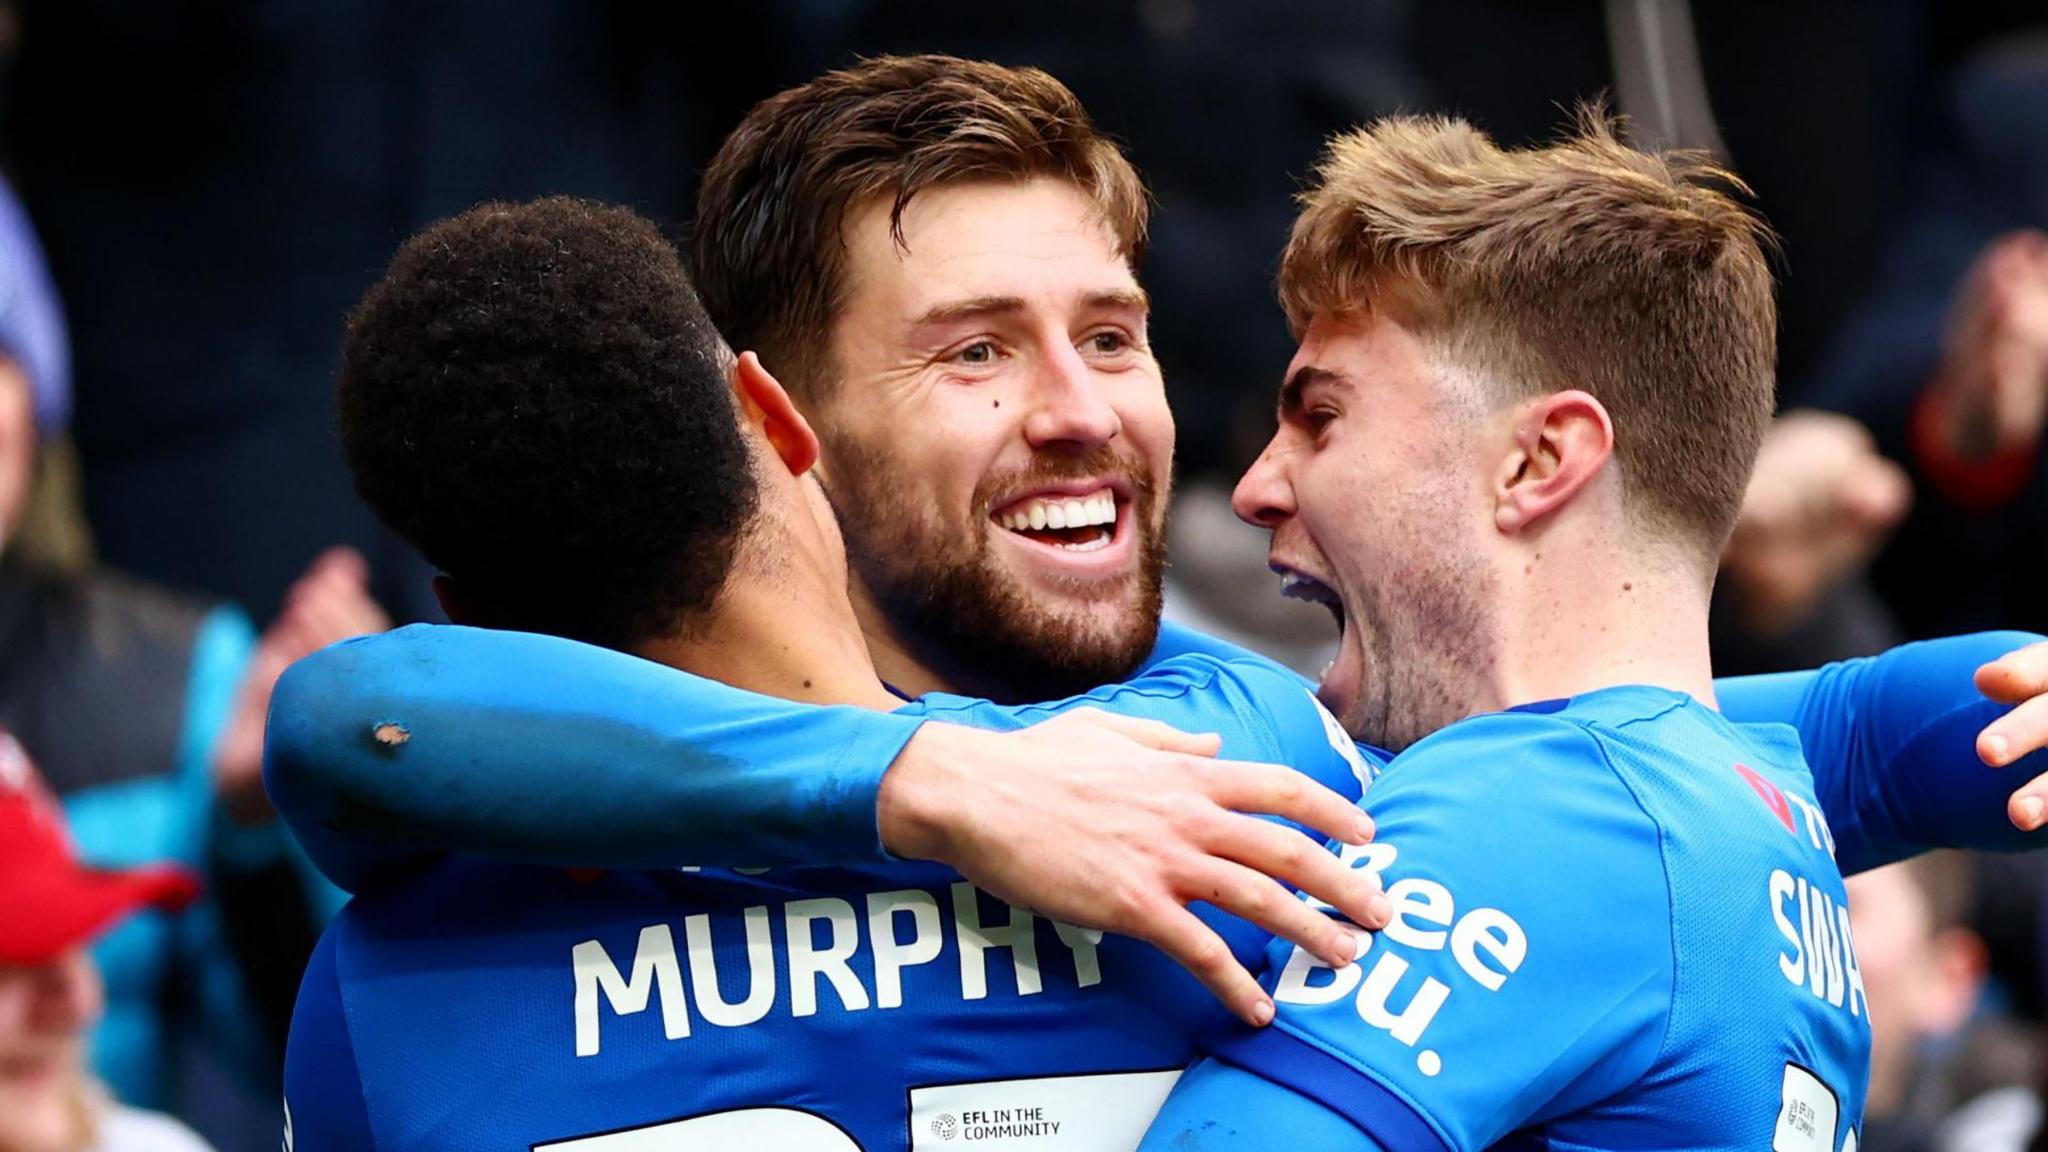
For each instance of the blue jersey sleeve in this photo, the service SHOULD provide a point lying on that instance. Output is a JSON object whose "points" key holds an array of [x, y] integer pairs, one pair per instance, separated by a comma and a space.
{"points": [[1892, 742], [1515, 982], [541, 749], [324, 1107]]}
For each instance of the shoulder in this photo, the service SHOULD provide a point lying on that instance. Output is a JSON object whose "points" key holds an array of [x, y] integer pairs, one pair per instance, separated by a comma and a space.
{"points": [[1177, 640], [1524, 815], [1260, 709], [1530, 757], [1527, 965]]}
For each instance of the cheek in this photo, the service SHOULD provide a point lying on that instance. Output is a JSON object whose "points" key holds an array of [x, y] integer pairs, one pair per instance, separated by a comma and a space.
{"points": [[930, 466], [971, 447]]}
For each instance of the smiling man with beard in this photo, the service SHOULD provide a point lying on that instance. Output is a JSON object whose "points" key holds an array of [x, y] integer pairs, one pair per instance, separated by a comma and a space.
{"points": [[938, 258], [958, 316]]}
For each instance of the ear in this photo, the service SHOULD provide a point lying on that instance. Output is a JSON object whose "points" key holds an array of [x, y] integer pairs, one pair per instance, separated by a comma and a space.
{"points": [[1561, 442], [766, 403], [454, 604]]}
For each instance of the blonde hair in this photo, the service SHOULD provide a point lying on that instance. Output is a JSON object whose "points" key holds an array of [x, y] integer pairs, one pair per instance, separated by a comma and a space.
{"points": [[1582, 264]]}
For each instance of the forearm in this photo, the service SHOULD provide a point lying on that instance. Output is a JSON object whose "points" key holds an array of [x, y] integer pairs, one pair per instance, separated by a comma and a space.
{"points": [[1892, 742], [455, 740]]}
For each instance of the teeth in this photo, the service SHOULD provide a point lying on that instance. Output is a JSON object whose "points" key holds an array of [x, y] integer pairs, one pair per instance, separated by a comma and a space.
{"points": [[1046, 512]]}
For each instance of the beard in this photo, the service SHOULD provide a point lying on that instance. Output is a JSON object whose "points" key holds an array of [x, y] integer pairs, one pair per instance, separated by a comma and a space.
{"points": [[1425, 636], [952, 604]]}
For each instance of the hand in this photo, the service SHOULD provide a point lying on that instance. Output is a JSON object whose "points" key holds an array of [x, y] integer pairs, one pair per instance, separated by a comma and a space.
{"points": [[1819, 505], [1114, 823], [329, 603], [2021, 679], [1992, 389]]}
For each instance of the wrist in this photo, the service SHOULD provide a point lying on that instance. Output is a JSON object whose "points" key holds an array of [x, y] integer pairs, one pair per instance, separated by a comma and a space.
{"points": [[915, 798]]}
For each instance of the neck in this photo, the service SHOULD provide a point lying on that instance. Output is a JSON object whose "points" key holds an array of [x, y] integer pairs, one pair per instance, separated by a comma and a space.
{"points": [[781, 629], [1581, 615], [901, 665]]}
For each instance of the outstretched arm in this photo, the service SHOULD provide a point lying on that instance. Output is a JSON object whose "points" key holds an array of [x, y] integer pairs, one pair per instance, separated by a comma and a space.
{"points": [[391, 751], [1936, 744], [434, 740]]}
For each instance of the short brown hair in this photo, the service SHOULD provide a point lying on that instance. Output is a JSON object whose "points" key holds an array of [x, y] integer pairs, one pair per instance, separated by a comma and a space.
{"points": [[1583, 264], [769, 252]]}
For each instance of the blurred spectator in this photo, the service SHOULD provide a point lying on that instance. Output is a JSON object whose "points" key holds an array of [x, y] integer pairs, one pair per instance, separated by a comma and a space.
{"points": [[217, 184], [146, 709], [1792, 591], [1922, 969], [1947, 361], [50, 909]]}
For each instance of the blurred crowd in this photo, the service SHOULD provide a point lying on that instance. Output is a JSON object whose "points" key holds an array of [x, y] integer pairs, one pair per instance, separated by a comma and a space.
{"points": [[195, 195]]}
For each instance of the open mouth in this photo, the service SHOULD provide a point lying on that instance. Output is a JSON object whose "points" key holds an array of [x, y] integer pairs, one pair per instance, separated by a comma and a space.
{"points": [[1296, 586], [1083, 522], [1345, 677]]}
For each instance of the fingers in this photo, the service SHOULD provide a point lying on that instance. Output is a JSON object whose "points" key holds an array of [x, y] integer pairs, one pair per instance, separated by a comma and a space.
{"points": [[2016, 677], [1151, 733], [1250, 896], [2016, 734], [1271, 790], [2028, 808], [330, 602], [1195, 946], [1284, 854]]}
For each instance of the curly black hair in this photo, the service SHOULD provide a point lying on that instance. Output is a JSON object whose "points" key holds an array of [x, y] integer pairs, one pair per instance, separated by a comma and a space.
{"points": [[534, 398]]}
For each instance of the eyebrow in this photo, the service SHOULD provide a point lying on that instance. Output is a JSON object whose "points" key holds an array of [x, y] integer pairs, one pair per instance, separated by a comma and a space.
{"points": [[1304, 379], [1134, 299], [955, 311]]}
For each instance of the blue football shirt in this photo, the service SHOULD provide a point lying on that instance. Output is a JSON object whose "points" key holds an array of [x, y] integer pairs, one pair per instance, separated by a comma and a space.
{"points": [[882, 1006], [1619, 925]]}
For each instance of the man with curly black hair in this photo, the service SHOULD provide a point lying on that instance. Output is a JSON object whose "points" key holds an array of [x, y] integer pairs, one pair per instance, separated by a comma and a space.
{"points": [[475, 366]]}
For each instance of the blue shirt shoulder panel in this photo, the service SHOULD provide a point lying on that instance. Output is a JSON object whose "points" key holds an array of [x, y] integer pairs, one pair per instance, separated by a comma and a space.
{"points": [[1180, 640], [1515, 980], [1600, 914], [1261, 710]]}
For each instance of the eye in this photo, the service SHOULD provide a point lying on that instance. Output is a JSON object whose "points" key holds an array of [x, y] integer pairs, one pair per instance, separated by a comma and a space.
{"points": [[979, 352], [1319, 418], [1108, 342]]}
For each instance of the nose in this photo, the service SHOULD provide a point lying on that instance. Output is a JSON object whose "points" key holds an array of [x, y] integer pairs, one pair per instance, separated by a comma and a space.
{"points": [[1069, 408], [1265, 495]]}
